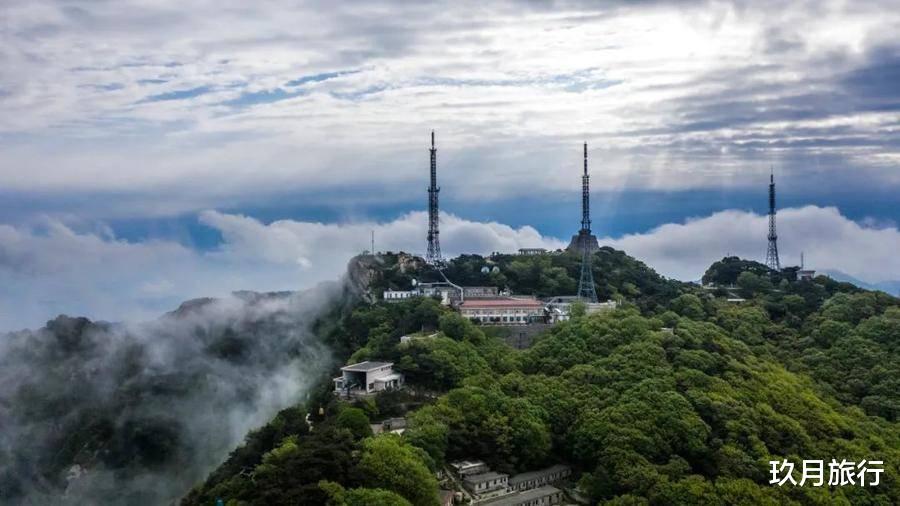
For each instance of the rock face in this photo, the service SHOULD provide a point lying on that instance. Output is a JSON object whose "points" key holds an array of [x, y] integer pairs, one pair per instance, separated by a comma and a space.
{"points": [[367, 275], [362, 271], [409, 263]]}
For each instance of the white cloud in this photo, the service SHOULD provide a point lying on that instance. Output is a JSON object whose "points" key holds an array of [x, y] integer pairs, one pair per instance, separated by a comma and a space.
{"points": [[510, 94], [53, 269], [56, 270], [828, 240]]}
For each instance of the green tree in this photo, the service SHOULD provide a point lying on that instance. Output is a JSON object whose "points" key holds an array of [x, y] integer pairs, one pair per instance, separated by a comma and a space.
{"points": [[354, 420], [338, 496], [454, 326], [389, 463], [689, 306]]}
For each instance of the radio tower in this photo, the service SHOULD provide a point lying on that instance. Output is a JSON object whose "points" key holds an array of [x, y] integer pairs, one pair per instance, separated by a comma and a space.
{"points": [[433, 256], [586, 288], [772, 253]]}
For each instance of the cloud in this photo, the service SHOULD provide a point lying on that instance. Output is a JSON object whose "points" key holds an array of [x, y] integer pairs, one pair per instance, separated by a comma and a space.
{"points": [[828, 240], [55, 269], [173, 396], [670, 96]]}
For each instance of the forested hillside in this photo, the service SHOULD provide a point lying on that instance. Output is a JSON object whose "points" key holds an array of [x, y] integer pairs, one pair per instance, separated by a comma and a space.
{"points": [[678, 397]]}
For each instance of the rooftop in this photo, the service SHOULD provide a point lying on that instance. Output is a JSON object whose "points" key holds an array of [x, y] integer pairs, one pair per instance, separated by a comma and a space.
{"points": [[465, 464], [523, 497], [483, 477], [530, 475], [506, 302], [366, 366]]}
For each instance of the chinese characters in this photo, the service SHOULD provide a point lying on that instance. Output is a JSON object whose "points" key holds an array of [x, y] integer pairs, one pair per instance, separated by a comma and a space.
{"points": [[839, 474]]}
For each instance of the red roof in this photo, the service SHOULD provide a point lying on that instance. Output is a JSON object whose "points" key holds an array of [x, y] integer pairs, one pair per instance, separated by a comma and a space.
{"points": [[486, 303]]}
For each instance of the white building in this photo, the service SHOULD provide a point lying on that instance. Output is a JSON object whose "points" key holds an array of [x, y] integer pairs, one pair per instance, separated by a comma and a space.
{"points": [[559, 308], [486, 484], [532, 251], [541, 496], [396, 295], [467, 467], [417, 337], [367, 378], [503, 311], [539, 478]]}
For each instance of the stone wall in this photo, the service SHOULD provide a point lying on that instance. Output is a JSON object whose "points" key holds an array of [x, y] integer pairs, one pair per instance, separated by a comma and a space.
{"points": [[521, 336]]}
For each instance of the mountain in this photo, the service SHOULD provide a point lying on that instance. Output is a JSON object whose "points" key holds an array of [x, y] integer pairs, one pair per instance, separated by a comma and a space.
{"points": [[890, 287], [679, 396], [114, 413]]}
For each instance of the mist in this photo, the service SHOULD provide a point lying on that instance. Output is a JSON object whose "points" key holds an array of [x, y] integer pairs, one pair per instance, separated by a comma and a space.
{"points": [[138, 413]]}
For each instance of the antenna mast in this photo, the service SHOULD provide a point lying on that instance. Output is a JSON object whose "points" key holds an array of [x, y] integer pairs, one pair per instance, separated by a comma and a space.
{"points": [[586, 289], [772, 261], [433, 256]]}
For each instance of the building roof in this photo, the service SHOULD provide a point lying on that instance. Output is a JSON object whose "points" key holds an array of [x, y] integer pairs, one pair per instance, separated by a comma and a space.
{"points": [[563, 299], [483, 477], [530, 475], [523, 497], [366, 366], [465, 464], [499, 303]]}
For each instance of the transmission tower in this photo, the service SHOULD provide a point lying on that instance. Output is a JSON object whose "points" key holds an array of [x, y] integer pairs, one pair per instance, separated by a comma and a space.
{"points": [[586, 288], [772, 253], [433, 256]]}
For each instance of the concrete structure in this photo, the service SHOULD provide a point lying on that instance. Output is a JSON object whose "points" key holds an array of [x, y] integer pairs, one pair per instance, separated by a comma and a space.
{"points": [[532, 251], [446, 497], [542, 496], [503, 310], [468, 467], [539, 478], [392, 425], [486, 484], [417, 337], [522, 336], [806, 275], [367, 378], [475, 292], [448, 293], [559, 307]]}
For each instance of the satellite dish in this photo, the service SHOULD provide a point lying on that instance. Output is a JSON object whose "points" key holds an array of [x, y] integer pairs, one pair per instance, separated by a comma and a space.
{"points": [[495, 269], [485, 269], [414, 282]]}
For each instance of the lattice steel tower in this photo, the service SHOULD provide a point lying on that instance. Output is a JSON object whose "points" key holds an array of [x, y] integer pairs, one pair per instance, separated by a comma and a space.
{"points": [[772, 253], [586, 288], [433, 256]]}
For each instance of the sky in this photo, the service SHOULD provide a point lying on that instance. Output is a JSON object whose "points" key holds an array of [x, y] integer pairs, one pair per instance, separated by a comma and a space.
{"points": [[156, 151]]}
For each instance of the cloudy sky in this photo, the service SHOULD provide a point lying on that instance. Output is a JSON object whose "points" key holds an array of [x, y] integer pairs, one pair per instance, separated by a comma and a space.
{"points": [[154, 151]]}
